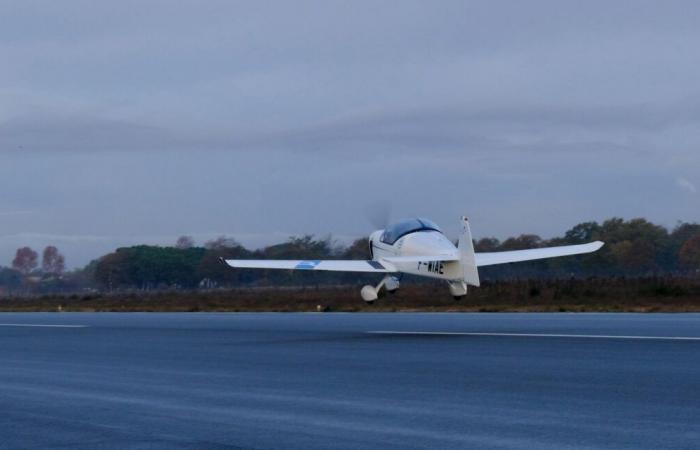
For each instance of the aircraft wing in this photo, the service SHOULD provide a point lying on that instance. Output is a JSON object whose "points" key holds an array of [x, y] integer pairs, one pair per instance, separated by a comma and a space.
{"points": [[338, 265], [489, 259]]}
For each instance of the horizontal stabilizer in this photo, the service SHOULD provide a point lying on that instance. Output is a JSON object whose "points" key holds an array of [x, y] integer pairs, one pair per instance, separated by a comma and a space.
{"points": [[338, 265], [489, 259], [420, 258]]}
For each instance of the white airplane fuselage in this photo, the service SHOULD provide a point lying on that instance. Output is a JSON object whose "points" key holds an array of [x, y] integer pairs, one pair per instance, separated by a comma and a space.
{"points": [[424, 243]]}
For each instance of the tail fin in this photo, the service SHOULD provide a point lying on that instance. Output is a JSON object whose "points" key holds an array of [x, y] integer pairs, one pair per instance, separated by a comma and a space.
{"points": [[466, 252]]}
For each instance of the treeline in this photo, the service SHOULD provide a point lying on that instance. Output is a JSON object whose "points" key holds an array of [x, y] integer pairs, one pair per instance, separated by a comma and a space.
{"points": [[189, 266], [633, 248]]}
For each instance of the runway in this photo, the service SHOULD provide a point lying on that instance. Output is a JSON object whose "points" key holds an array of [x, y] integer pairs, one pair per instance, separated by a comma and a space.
{"points": [[312, 381]]}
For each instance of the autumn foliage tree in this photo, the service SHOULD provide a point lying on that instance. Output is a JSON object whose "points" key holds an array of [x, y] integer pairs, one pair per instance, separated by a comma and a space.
{"points": [[148, 267], [25, 260], [52, 262], [689, 254]]}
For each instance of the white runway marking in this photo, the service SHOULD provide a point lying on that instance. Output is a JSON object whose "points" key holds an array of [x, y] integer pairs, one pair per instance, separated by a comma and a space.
{"points": [[542, 335], [40, 325]]}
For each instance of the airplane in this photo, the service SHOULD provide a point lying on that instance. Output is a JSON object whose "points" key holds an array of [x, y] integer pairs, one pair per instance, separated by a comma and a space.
{"points": [[418, 247]]}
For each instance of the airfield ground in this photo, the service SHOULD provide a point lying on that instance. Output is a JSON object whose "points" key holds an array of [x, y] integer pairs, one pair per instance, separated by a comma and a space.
{"points": [[346, 381]]}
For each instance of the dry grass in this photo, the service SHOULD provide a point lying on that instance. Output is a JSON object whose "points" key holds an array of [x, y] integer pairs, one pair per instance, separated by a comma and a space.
{"points": [[603, 294]]}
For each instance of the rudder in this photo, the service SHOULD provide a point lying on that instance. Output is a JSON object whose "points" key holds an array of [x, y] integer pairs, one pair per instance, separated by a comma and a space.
{"points": [[466, 251]]}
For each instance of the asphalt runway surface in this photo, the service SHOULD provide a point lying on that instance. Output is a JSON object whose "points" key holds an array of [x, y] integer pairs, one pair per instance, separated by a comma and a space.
{"points": [[307, 381]]}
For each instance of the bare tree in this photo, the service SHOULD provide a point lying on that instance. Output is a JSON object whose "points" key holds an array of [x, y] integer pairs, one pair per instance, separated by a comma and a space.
{"points": [[25, 260], [221, 242], [184, 242], [52, 261]]}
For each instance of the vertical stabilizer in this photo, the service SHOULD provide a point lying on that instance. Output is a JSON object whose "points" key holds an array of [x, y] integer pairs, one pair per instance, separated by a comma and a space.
{"points": [[466, 251]]}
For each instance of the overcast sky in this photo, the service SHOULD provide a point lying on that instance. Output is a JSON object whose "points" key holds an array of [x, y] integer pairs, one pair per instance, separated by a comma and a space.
{"points": [[137, 121]]}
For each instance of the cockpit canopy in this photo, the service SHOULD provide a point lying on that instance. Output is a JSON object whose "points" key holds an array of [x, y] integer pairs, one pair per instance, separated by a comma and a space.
{"points": [[395, 231]]}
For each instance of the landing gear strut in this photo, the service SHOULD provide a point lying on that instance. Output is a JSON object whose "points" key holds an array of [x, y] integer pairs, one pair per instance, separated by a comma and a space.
{"points": [[370, 293]]}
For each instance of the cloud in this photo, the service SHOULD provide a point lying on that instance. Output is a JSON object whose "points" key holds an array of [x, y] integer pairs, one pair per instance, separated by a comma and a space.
{"points": [[686, 185], [448, 131], [53, 132], [261, 117], [13, 213]]}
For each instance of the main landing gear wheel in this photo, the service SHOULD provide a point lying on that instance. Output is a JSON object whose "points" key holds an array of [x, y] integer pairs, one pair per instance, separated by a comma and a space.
{"points": [[458, 289], [371, 293]]}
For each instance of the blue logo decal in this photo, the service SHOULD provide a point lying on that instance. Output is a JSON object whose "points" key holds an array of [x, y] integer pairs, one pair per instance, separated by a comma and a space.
{"points": [[309, 265]]}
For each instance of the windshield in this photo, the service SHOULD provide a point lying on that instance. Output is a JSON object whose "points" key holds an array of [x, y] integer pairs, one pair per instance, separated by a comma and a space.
{"points": [[395, 231]]}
